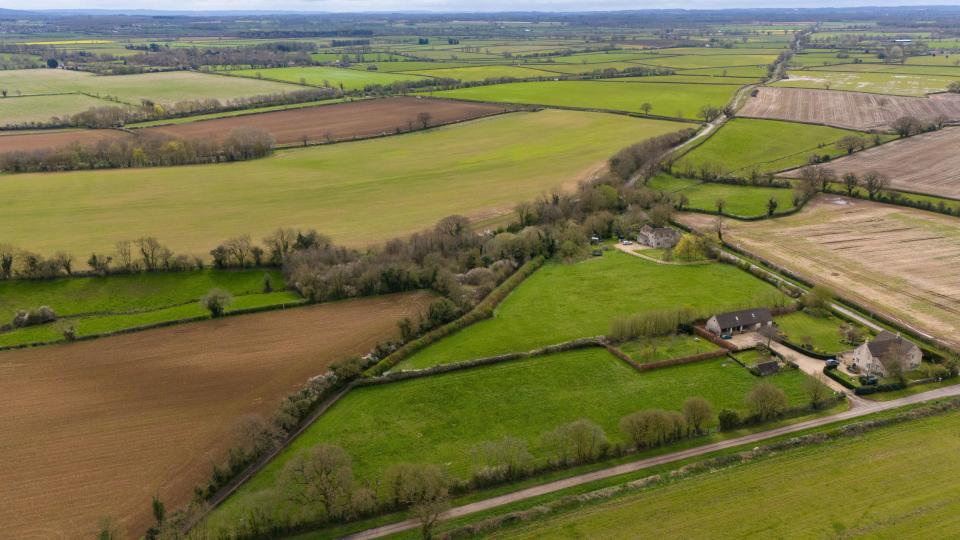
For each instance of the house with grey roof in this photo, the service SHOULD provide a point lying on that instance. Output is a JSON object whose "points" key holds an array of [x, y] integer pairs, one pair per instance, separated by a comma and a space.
{"points": [[879, 355], [736, 322], [658, 237]]}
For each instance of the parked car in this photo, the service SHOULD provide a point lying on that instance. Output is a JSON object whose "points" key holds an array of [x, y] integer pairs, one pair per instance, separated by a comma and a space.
{"points": [[726, 336], [868, 380], [627, 242], [832, 363]]}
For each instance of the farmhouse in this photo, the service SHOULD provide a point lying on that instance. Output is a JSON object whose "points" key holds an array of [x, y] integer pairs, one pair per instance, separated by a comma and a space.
{"points": [[658, 237], [877, 356], [734, 322]]}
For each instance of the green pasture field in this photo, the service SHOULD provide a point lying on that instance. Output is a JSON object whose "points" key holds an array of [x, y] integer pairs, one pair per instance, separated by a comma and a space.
{"points": [[744, 201], [436, 54], [739, 71], [166, 87], [898, 69], [952, 60], [391, 67], [822, 332], [768, 145], [351, 79], [358, 192], [645, 351], [602, 57], [574, 69], [692, 78], [95, 305], [902, 493], [876, 83], [28, 109], [438, 419], [668, 99], [949, 44], [718, 51], [561, 302], [826, 59], [479, 73], [711, 61]]}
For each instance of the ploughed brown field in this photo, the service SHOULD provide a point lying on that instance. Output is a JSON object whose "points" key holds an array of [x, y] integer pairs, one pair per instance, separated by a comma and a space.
{"points": [[851, 110], [95, 428], [928, 163], [15, 141], [340, 121], [897, 260]]}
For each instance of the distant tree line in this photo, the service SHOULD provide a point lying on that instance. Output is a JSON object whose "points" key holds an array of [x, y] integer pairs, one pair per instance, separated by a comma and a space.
{"points": [[141, 149], [266, 55]]}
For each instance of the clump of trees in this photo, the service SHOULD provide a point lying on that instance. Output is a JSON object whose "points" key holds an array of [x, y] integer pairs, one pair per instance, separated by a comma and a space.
{"points": [[216, 302], [33, 317], [142, 149], [644, 158]]}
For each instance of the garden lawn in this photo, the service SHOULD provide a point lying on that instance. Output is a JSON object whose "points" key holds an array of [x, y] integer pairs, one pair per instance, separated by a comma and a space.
{"points": [[903, 495], [358, 193], [821, 332], [439, 419], [561, 302], [668, 99], [645, 351], [744, 201], [743, 144], [351, 79]]}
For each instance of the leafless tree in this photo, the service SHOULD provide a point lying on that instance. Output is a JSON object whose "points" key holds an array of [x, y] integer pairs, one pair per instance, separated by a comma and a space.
{"points": [[323, 476], [875, 182]]}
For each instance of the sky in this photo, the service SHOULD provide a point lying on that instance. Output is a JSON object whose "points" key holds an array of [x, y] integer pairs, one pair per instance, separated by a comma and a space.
{"points": [[441, 5]]}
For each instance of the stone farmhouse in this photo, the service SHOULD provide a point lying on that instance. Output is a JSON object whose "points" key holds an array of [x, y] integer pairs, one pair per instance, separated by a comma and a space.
{"points": [[736, 322], [876, 356], [658, 237]]}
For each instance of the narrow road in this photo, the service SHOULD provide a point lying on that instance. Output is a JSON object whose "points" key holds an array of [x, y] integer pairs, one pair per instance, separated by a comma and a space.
{"points": [[863, 409]]}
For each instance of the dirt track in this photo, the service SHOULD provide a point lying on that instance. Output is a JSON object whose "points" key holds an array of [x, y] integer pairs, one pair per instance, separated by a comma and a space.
{"points": [[927, 163], [851, 110], [94, 428], [897, 260], [338, 122]]}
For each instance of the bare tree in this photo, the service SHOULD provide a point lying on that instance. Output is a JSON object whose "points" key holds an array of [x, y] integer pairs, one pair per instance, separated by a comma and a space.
{"points": [[816, 390], [323, 476], [577, 442], [851, 143], [424, 488], [424, 119], [239, 248], [766, 401], [697, 412], [906, 126], [150, 250], [721, 204], [770, 332], [850, 182], [875, 183]]}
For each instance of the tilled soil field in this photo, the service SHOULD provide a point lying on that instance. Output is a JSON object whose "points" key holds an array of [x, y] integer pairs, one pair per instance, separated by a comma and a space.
{"points": [[851, 110], [95, 428], [14, 141], [897, 260], [928, 163], [342, 121]]}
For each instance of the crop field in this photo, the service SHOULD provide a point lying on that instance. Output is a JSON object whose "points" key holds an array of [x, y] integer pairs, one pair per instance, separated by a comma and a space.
{"points": [[342, 121], [167, 87], [902, 495], [479, 169], [667, 99], [744, 144], [927, 163], [744, 201], [711, 61], [850, 110], [350, 79], [898, 260], [561, 302], [802, 328], [877, 83], [935, 70], [96, 305], [110, 422], [36, 140], [438, 419], [15, 111]]}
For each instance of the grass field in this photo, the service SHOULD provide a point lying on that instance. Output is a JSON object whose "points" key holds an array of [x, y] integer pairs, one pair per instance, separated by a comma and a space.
{"points": [[357, 192], [479, 73], [108, 423], [102, 305], [561, 302], [439, 419], [668, 99], [711, 61], [743, 144], [875, 83], [745, 201], [351, 79], [167, 87], [902, 494], [23, 110], [645, 351], [823, 333]]}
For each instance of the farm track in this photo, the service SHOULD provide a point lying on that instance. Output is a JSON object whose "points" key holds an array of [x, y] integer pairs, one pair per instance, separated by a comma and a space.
{"points": [[843, 109], [864, 409], [107, 423]]}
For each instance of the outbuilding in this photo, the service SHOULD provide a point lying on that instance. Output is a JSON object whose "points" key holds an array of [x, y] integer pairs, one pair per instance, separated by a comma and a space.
{"points": [[736, 322]]}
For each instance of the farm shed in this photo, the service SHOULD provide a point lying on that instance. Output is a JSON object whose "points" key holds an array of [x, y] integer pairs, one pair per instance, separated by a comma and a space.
{"points": [[876, 357], [735, 322]]}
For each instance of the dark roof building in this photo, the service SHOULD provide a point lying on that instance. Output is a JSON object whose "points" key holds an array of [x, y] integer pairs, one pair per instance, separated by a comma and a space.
{"points": [[739, 321]]}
